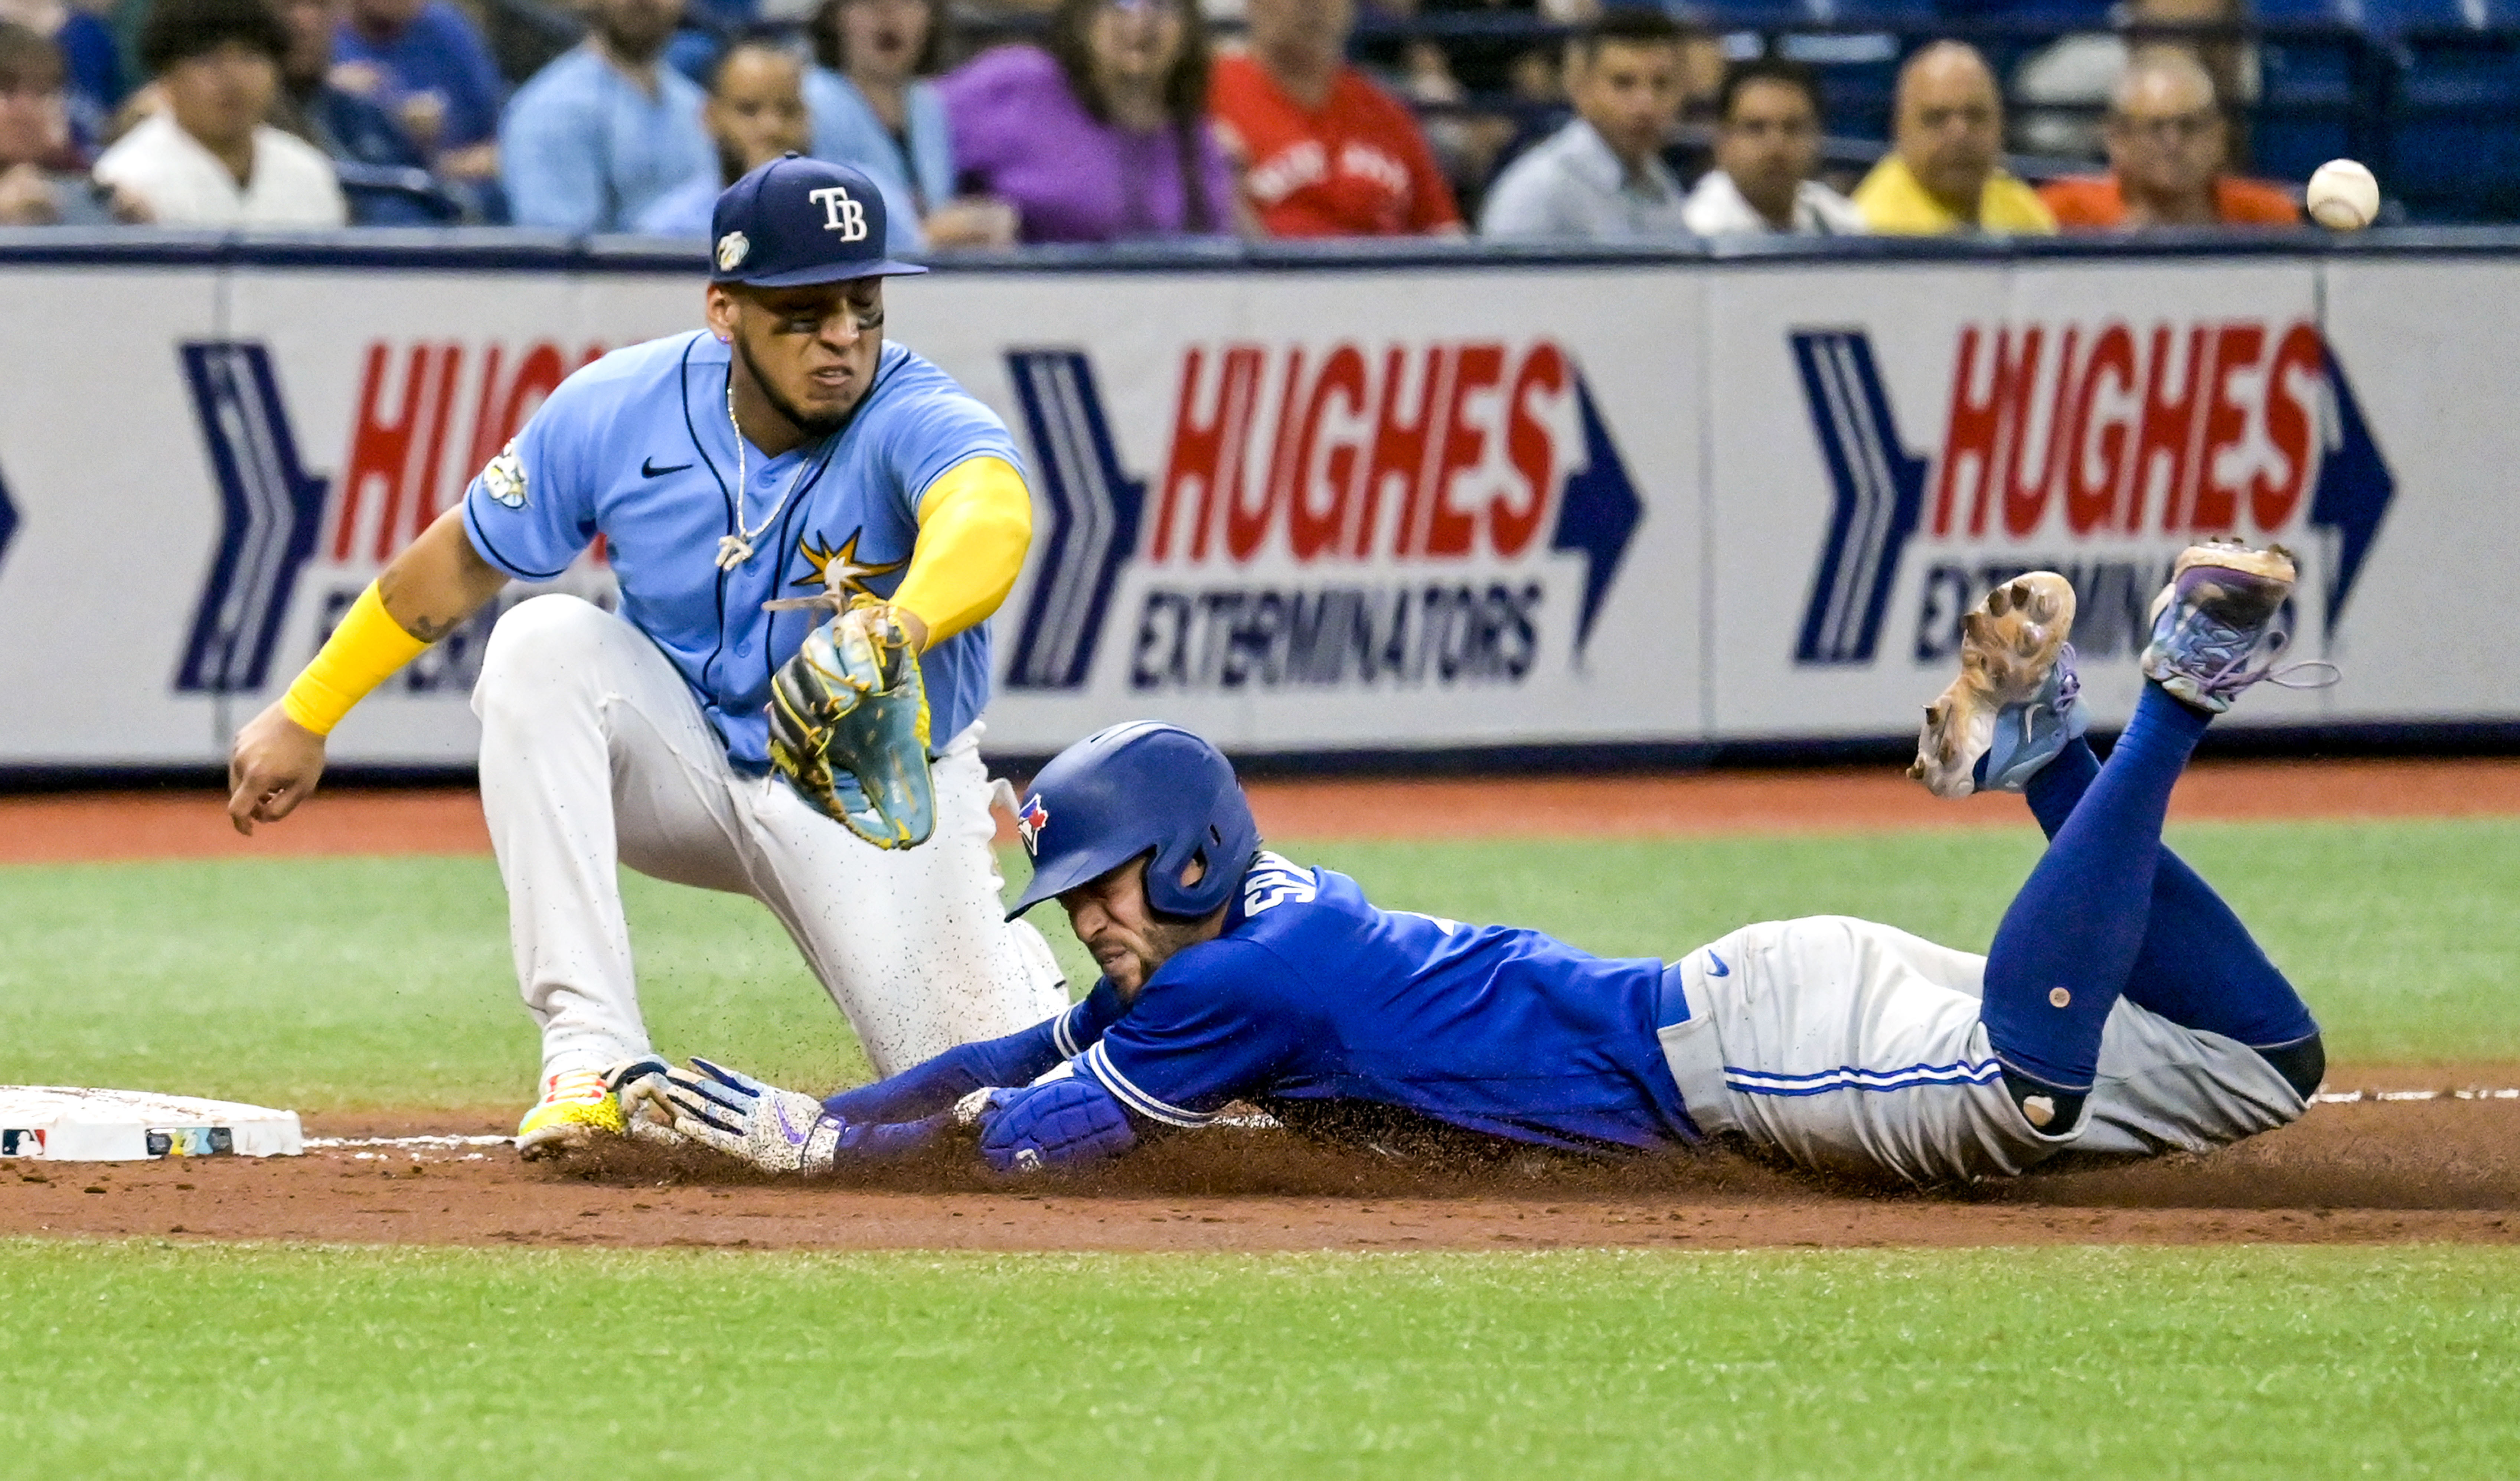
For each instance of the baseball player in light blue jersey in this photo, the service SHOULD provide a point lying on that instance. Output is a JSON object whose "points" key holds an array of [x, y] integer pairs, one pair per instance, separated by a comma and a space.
{"points": [[784, 453], [2123, 1010]]}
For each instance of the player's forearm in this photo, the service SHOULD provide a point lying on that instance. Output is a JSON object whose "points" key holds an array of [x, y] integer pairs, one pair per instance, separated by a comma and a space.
{"points": [[935, 1084], [436, 586], [1018, 1058], [427, 591], [975, 526]]}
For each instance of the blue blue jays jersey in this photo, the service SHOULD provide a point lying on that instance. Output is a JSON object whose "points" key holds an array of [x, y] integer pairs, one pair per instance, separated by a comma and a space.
{"points": [[1313, 994], [638, 448]]}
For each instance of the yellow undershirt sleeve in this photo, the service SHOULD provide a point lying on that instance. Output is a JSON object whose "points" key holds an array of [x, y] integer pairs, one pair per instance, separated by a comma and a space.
{"points": [[368, 648], [974, 526]]}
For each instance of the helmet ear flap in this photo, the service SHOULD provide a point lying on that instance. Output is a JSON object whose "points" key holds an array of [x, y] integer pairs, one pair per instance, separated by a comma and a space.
{"points": [[1199, 886]]}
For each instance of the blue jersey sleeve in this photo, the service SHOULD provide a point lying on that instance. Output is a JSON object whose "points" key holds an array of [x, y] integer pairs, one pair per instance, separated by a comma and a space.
{"points": [[532, 510], [943, 426], [1214, 1026]]}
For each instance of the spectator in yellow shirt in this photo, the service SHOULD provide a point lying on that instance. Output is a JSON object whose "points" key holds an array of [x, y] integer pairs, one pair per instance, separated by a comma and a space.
{"points": [[1941, 174]]}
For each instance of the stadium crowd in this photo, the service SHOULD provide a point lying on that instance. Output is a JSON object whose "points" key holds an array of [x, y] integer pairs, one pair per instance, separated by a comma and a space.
{"points": [[1084, 121]]}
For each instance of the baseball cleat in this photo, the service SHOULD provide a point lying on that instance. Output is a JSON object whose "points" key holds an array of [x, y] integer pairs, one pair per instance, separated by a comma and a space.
{"points": [[2218, 626], [2016, 702], [575, 1110]]}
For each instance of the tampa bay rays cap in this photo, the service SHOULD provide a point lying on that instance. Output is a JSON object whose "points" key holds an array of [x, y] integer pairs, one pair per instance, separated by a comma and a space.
{"points": [[796, 221]]}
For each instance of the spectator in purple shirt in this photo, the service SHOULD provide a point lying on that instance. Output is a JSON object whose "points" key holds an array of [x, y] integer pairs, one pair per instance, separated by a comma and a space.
{"points": [[424, 61], [1102, 137]]}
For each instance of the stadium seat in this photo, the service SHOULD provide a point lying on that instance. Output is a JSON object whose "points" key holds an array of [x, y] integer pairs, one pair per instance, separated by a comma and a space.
{"points": [[2398, 18], [1859, 74], [2309, 12], [2311, 96], [1915, 15], [1754, 15], [2456, 149]]}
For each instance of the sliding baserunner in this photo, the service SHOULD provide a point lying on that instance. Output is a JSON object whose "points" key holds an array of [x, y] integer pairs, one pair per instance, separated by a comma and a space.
{"points": [[2123, 1008]]}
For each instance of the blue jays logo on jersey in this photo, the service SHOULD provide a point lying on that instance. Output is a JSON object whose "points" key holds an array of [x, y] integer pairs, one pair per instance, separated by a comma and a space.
{"points": [[2095, 448], [1030, 822], [1329, 515]]}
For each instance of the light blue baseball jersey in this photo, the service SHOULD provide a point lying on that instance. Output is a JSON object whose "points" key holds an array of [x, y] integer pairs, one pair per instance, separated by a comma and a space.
{"points": [[638, 448]]}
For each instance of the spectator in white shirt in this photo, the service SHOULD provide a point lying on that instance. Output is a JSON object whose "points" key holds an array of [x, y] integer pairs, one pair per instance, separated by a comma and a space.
{"points": [[207, 158], [1601, 177], [1767, 144]]}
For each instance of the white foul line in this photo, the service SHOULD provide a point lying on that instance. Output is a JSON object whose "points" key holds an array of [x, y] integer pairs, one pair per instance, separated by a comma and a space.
{"points": [[2349, 1096], [440, 1143]]}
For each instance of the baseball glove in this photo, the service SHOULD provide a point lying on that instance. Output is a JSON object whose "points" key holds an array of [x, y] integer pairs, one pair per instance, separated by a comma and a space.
{"points": [[848, 728]]}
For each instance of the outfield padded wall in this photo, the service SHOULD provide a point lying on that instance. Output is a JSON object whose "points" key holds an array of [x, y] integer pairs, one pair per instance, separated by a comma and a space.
{"points": [[1336, 503]]}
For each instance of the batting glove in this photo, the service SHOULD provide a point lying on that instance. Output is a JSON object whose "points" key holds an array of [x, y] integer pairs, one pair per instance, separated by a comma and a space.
{"points": [[778, 1131]]}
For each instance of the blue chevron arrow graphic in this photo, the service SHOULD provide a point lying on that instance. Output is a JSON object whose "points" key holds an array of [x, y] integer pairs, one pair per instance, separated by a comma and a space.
{"points": [[8, 519], [272, 507], [1094, 511], [1878, 496], [2353, 493], [1598, 515]]}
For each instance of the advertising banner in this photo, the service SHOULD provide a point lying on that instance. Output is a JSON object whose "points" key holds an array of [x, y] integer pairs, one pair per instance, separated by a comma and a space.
{"points": [[1308, 511], [1338, 510]]}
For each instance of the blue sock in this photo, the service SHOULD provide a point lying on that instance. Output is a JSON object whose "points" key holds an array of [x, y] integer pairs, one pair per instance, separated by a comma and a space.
{"points": [[2198, 966], [2069, 942]]}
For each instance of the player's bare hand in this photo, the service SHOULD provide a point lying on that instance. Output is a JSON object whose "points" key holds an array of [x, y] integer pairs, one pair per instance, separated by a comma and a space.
{"points": [[872, 619], [273, 768]]}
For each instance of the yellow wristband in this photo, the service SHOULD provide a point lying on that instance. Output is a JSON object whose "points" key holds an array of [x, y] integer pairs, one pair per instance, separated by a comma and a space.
{"points": [[367, 648]]}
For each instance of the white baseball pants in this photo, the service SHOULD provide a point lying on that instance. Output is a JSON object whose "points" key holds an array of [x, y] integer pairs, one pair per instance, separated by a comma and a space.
{"points": [[594, 755], [1850, 1047]]}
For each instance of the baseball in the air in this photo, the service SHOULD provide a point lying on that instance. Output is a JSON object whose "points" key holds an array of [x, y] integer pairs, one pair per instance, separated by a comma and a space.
{"points": [[2342, 196]]}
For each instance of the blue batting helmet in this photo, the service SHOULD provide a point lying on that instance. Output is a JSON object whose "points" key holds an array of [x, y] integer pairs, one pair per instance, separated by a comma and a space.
{"points": [[1134, 789]]}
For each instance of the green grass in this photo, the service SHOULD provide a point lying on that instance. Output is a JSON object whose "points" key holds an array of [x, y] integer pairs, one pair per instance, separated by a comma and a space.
{"points": [[364, 982], [151, 1359], [387, 982]]}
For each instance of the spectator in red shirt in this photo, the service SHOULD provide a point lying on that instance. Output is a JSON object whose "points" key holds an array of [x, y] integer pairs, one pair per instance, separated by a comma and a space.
{"points": [[1323, 151], [2168, 143]]}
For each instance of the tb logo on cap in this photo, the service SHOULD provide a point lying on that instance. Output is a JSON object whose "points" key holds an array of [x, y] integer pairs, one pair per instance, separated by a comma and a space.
{"points": [[840, 213]]}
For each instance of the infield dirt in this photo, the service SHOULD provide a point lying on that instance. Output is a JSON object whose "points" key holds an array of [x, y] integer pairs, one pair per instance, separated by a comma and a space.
{"points": [[2370, 1172], [2366, 1173]]}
